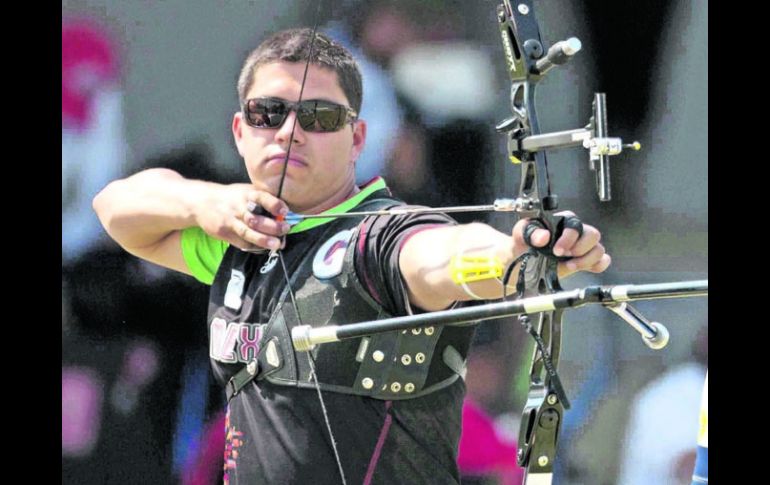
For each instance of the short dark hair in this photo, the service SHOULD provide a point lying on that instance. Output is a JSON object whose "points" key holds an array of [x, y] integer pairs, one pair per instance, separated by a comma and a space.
{"points": [[293, 45]]}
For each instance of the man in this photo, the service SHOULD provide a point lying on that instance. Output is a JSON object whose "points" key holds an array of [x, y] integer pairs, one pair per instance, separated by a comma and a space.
{"points": [[390, 405]]}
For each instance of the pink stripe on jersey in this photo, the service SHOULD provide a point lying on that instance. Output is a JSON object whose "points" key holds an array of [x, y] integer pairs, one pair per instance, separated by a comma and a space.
{"points": [[380, 444]]}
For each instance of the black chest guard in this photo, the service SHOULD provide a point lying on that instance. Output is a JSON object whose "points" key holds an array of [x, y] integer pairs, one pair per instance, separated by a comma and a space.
{"points": [[394, 365]]}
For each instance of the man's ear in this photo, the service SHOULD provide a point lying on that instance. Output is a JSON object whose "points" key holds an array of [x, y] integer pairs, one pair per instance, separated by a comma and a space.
{"points": [[359, 139], [237, 128]]}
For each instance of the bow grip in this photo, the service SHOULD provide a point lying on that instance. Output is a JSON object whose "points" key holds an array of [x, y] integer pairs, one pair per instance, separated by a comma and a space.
{"points": [[560, 223]]}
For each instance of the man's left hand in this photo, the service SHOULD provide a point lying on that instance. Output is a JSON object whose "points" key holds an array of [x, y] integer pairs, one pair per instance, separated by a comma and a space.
{"points": [[587, 253]]}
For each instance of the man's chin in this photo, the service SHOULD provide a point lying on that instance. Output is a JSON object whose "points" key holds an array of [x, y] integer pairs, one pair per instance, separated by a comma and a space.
{"points": [[287, 194], [269, 184], [295, 203]]}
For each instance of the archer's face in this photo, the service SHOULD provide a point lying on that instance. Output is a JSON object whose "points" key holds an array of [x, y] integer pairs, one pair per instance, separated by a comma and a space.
{"points": [[321, 166]]}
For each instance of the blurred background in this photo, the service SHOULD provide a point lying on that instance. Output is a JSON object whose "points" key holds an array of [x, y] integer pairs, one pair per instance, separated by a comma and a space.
{"points": [[148, 84]]}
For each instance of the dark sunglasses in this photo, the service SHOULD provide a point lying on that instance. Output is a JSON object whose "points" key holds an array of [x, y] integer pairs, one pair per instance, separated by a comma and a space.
{"points": [[312, 115]]}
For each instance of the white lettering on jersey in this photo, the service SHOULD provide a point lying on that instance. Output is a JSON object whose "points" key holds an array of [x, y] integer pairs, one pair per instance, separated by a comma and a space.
{"points": [[232, 342], [249, 341], [223, 338], [328, 261], [234, 292]]}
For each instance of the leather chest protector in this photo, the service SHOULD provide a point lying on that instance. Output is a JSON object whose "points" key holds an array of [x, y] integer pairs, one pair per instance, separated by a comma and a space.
{"points": [[394, 365]]}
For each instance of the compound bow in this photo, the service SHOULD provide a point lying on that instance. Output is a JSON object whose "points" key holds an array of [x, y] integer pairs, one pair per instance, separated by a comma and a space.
{"points": [[541, 296]]}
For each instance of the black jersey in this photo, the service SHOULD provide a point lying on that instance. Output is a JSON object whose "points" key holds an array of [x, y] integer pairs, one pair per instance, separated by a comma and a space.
{"points": [[278, 434]]}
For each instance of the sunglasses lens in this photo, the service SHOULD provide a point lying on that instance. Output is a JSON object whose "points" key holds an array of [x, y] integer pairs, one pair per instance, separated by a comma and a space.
{"points": [[265, 113], [319, 116], [330, 118]]}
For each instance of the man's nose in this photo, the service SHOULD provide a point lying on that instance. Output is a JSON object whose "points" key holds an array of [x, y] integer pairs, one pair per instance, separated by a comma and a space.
{"points": [[283, 135]]}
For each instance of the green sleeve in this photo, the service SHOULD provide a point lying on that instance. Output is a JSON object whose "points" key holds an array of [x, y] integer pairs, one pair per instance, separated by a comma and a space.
{"points": [[202, 253]]}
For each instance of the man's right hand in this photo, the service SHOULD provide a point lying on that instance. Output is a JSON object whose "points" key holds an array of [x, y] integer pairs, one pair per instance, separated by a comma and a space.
{"points": [[224, 214]]}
